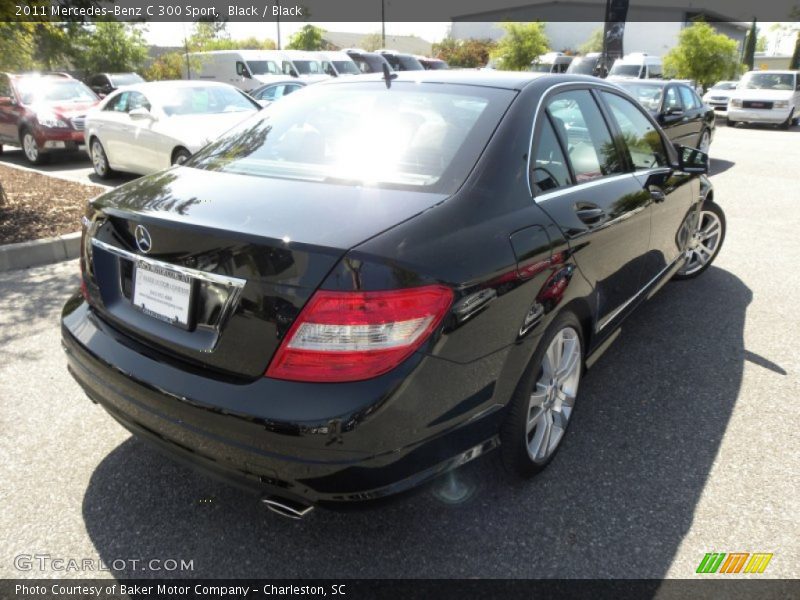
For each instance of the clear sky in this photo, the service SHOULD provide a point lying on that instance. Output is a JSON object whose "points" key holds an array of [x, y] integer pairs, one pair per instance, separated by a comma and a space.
{"points": [[171, 34]]}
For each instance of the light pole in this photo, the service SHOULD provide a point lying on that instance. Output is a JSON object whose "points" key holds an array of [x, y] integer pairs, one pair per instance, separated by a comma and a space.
{"points": [[278, 22]]}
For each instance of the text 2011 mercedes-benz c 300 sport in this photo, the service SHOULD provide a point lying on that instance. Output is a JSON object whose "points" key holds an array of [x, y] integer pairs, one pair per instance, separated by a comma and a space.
{"points": [[381, 278]]}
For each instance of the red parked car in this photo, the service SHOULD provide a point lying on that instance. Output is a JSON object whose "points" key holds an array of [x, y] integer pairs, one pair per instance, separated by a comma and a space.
{"points": [[43, 114]]}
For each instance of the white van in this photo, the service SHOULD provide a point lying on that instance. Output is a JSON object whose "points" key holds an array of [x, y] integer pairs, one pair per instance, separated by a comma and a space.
{"points": [[637, 65], [337, 63], [552, 62], [301, 63], [245, 69], [766, 97]]}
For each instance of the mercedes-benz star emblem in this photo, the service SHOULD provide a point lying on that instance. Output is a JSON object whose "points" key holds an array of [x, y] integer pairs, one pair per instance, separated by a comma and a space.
{"points": [[143, 241]]}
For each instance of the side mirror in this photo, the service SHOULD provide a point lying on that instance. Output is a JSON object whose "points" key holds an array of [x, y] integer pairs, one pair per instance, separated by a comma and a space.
{"points": [[141, 113], [6, 101], [691, 160]]}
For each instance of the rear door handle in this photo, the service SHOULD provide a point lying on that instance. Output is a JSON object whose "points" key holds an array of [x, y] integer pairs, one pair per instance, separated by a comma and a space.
{"points": [[590, 215]]}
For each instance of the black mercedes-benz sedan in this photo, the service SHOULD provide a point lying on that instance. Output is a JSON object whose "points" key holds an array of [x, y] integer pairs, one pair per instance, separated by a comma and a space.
{"points": [[383, 278], [677, 108]]}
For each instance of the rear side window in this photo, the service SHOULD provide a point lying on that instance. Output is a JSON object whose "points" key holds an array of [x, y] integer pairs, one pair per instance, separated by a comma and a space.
{"points": [[549, 170], [137, 100], [642, 140], [687, 97], [583, 132], [671, 99], [117, 103]]}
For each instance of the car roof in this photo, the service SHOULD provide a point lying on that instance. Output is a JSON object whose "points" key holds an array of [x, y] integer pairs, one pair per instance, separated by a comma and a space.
{"points": [[512, 80], [292, 80], [175, 83], [656, 82]]}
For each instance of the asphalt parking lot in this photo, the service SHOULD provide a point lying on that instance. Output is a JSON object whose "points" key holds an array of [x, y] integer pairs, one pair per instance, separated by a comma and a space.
{"points": [[685, 441], [72, 166]]}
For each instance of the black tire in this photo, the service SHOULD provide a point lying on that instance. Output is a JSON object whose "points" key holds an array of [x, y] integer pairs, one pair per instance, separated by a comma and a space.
{"points": [[99, 158], [33, 154], [788, 122], [513, 433], [730, 123], [709, 206], [180, 156]]}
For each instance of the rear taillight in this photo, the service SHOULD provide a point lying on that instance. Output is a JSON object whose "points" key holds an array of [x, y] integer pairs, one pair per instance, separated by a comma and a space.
{"points": [[350, 336]]}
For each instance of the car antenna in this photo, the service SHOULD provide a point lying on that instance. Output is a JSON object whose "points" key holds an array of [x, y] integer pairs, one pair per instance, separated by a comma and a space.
{"points": [[388, 76]]}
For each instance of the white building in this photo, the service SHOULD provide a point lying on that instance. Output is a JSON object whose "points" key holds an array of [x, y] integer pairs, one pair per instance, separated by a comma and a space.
{"points": [[649, 28]]}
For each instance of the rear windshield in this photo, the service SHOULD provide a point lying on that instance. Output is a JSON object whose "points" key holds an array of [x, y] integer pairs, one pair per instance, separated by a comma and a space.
{"points": [[53, 91], [196, 100], [126, 79], [412, 136]]}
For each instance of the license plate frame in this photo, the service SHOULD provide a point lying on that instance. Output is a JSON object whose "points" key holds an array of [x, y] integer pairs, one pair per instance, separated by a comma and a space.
{"points": [[181, 296]]}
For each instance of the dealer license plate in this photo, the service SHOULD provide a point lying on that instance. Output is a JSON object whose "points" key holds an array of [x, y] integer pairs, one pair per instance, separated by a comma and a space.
{"points": [[163, 293]]}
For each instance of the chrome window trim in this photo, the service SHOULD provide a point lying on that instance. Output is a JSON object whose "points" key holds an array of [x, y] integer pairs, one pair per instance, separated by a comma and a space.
{"points": [[577, 85], [201, 275], [582, 186]]}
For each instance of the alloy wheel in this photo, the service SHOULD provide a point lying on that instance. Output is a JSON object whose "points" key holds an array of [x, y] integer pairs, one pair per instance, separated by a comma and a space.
{"points": [[704, 242], [553, 397], [30, 147], [99, 159]]}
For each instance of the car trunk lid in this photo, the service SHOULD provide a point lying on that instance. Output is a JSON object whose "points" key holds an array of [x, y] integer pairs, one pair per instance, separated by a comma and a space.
{"points": [[251, 249]]}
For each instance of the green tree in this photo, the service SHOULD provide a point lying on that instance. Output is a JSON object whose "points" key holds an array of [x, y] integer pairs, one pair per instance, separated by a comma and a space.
{"points": [[761, 43], [702, 54], [308, 38], [17, 46], [371, 42], [110, 46], [522, 43], [795, 62], [167, 66], [594, 43], [468, 54], [749, 57]]}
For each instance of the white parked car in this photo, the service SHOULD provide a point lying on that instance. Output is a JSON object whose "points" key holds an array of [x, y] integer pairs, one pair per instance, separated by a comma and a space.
{"points": [[718, 95], [148, 127], [766, 97]]}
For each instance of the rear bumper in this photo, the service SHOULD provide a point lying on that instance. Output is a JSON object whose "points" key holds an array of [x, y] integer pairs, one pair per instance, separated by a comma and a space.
{"points": [[355, 442]]}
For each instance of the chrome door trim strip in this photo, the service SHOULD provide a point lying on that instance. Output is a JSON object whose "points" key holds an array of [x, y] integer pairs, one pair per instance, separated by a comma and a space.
{"points": [[616, 312], [202, 275]]}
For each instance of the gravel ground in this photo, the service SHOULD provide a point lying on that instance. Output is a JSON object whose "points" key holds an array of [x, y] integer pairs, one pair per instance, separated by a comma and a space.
{"points": [[39, 206], [685, 441]]}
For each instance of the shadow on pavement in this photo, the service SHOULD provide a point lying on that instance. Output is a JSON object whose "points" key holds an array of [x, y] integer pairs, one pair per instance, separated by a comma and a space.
{"points": [[63, 165], [616, 502]]}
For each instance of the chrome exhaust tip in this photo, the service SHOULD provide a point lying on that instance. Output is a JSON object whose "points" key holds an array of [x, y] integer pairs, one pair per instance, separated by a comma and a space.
{"points": [[287, 508]]}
